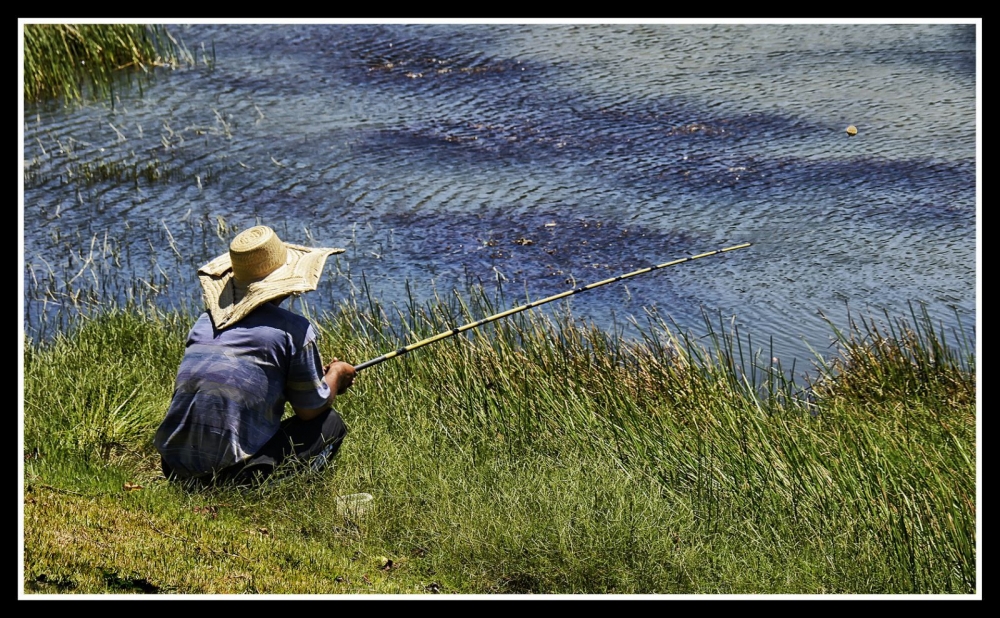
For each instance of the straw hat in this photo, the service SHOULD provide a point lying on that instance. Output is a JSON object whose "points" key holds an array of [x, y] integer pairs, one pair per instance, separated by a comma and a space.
{"points": [[258, 268]]}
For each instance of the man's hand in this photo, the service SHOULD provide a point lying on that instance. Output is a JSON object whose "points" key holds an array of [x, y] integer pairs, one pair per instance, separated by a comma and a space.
{"points": [[339, 376]]}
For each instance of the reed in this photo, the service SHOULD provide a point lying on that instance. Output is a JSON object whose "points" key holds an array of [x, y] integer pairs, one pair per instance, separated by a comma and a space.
{"points": [[74, 62]]}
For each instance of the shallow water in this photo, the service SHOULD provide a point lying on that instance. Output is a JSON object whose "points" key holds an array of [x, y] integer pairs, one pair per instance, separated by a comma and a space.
{"points": [[540, 157]]}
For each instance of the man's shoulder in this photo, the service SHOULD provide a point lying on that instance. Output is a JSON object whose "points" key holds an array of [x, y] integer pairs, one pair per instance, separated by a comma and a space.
{"points": [[273, 316]]}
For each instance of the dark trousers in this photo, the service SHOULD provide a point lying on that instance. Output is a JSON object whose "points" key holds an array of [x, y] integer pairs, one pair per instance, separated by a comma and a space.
{"points": [[311, 443]]}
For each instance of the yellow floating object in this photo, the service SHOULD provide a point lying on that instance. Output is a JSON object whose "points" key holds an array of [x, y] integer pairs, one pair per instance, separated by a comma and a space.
{"points": [[852, 130]]}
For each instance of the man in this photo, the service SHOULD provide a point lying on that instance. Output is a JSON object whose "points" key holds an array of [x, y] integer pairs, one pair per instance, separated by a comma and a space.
{"points": [[245, 358]]}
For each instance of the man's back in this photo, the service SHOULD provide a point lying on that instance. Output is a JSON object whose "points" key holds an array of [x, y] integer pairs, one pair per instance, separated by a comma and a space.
{"points": [[232, 385]]}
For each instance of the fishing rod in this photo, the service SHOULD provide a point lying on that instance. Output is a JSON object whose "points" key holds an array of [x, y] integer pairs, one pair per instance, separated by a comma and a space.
{"points": [[503, 314]]}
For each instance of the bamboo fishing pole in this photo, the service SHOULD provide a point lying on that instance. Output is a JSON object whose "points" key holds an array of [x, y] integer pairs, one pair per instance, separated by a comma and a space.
{"points": [[509, 312]]}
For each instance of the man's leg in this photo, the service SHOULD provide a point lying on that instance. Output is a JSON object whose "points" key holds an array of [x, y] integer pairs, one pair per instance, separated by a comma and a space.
{"points": [[313, 442]]}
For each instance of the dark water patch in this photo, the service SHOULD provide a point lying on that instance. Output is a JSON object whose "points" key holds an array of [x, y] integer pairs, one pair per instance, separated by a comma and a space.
{"points": [[547, 252], [950, 51], [470, 142], [338, 54], [952, 63], [431, 50], [945, 48], [552, 238], [914, 180], [418, 69], [249, 40], [897, 174], [930, 183], [948, 63], [610, 139], [681, 117], [263, 85]]}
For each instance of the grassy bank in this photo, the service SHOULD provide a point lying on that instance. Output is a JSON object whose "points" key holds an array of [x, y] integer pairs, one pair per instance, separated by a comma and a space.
{"points": [[534, 455]]}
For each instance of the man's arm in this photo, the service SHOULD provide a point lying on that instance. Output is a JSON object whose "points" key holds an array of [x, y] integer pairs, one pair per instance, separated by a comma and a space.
{"points": [[339, 376]]}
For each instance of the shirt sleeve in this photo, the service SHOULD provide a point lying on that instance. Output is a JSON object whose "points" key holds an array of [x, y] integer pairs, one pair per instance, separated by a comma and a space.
{"points": [[306, 387]]}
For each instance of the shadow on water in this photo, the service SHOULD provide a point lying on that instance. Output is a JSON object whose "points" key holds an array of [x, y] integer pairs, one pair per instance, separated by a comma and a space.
{"points": [[546, 252]]}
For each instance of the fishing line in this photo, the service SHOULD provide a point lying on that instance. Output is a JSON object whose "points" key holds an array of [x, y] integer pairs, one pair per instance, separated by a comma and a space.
{"points": [[509, 312]]}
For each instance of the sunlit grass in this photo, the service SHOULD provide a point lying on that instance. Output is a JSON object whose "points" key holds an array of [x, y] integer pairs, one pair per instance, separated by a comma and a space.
{"points": [[535, 455], [73, 62]]}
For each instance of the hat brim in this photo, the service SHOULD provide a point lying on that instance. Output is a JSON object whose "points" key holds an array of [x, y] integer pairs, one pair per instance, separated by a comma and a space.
{"points": [[229, 302]]}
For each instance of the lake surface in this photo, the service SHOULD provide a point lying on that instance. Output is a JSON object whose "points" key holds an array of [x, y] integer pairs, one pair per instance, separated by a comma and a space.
{"points": [[538, 157]]}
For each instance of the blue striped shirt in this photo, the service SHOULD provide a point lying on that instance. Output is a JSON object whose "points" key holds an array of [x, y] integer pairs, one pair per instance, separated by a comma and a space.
{"points": [[232, 386]]}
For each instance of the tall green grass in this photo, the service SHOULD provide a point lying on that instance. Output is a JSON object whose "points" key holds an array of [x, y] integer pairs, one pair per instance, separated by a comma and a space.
{"points": [[79, 61], [534, 455]]}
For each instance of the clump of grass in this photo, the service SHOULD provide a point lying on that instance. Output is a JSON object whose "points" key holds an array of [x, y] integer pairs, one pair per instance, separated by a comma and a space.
{"points": [[901, 361], [101, 419], [122, 173], [74, 61]]}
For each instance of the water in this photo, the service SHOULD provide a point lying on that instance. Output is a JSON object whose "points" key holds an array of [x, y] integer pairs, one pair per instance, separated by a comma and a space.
{"points": [[536, 157]]}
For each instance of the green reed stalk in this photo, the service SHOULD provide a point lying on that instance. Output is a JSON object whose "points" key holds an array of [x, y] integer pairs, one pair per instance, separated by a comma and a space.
{"points": [[77, 61]]}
